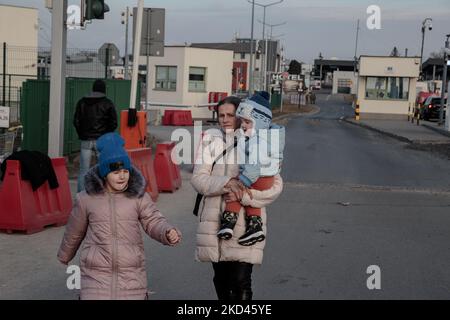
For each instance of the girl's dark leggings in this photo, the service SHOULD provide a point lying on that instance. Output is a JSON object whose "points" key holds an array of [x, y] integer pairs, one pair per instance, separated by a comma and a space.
{"points": [[233, 280]]}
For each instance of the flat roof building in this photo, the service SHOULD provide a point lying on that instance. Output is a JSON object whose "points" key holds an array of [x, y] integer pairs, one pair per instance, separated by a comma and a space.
{"points": [[387, 86]]}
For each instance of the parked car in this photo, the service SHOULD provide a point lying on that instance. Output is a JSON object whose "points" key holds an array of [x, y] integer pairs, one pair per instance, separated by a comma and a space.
{"points": [[317, 85], [431, 108], [422, 96]]}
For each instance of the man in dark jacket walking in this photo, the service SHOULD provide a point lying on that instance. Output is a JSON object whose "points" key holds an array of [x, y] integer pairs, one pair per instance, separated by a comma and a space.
{"points": [[95, 115]]}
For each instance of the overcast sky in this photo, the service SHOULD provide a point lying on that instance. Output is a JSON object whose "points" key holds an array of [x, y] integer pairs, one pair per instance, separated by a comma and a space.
{"points": [[312, 26]]}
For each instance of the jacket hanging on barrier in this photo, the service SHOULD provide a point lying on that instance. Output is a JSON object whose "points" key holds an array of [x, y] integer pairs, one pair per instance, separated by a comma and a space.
{"points": [[35, 167]]}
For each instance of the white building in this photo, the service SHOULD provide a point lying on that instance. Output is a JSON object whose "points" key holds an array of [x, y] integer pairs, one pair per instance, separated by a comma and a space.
{"points": [[19, 30], [184, 77], [387, 86], [345, 82], [241, 60]]}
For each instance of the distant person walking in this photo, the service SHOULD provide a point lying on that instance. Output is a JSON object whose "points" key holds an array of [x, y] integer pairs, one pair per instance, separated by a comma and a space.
{"points": [[313, 98], [95, 115]]}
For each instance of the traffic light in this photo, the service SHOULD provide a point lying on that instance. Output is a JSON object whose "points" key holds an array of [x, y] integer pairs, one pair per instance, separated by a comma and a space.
{"points": [[95, 9]]}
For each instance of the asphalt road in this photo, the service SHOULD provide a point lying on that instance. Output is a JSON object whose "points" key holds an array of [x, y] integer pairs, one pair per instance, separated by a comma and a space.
{"points": [[323, 149], [352, 198], [356, 198]]}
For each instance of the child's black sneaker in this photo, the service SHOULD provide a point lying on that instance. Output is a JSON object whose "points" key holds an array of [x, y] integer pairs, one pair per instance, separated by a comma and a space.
{"points": [[227, 223], [254, 232]]}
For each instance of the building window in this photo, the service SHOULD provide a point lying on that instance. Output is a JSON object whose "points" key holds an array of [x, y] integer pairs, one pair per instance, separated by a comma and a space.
{"points": [[197, 79], [387, 88], [166, 78], [242, 55]]}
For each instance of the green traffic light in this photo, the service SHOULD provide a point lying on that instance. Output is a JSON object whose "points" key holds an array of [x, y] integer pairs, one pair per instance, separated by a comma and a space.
{"points": [[95, 9]]}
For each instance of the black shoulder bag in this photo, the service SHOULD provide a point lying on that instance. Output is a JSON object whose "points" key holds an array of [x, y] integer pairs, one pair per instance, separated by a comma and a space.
{"points": [[199, 197]]}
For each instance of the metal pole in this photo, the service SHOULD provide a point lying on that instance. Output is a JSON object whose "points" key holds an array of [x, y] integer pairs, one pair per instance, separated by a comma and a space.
{"points": [[57, 79], [265, 64], [9, 90], [126, 77], [250, 78], [4, 73], [147, 51], [444, 83], [136, 54], [421, 51], [106, 62], [356, 44], [281, 95], [264, 60], [424, 23]]}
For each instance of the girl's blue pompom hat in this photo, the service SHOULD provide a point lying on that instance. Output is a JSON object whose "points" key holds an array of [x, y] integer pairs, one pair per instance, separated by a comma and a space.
{"points": [[112, 154]]}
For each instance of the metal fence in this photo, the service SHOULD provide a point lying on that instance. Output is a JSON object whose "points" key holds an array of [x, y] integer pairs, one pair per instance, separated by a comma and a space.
{"points": [[18, 64]]}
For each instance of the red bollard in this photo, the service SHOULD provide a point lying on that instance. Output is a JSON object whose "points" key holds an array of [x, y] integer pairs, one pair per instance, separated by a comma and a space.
{"points": [[168, 118], [221, 96], [23, 209], [167, 173], [182, 118], [142, 159]]}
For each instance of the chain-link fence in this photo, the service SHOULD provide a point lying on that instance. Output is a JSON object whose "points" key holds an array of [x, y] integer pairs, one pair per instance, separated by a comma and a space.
{"points": [[18, 64]]}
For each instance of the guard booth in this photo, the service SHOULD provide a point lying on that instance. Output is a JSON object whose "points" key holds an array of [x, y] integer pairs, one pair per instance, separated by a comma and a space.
{"points": [[387, 86]]}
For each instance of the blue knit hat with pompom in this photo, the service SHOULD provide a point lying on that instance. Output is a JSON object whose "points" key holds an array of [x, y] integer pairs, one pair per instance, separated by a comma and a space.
{"points": [[112, 154], [257, 109]]}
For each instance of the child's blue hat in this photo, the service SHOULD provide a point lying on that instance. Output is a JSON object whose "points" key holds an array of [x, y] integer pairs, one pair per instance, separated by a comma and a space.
{"points": [[112, 154], [257, 109]]}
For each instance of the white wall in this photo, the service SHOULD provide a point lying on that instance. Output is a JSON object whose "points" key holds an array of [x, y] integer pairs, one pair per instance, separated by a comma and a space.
{"points": [[385, 109], [19, 26], [218, 64], [173, 56], [389, 66], [19, 29], [350, 75]]}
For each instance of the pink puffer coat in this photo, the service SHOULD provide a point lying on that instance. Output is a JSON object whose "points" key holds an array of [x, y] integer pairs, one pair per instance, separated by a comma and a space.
{"points": [[112, 259]]}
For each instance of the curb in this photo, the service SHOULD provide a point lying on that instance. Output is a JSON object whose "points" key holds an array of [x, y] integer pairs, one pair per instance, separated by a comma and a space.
{"points": [[443, 132], [392, 135]]}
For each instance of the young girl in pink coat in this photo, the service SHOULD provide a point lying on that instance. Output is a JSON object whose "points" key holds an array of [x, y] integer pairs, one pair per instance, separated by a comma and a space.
{"points": [[107, 218]]}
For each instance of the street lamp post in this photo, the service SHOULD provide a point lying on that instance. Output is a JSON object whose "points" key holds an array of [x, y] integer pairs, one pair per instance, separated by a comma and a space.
{"points": [[250, 78], [264, 60], [125, 15], [271, 30], [424, 24], [444, 82]]}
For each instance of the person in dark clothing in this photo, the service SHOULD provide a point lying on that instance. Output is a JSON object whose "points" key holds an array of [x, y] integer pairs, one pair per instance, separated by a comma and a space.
{"points": [[95, 115]]}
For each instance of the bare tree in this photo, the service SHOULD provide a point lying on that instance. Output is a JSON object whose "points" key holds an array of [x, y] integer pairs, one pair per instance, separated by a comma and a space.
{"points": [[438, 54], [295, 67]]}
